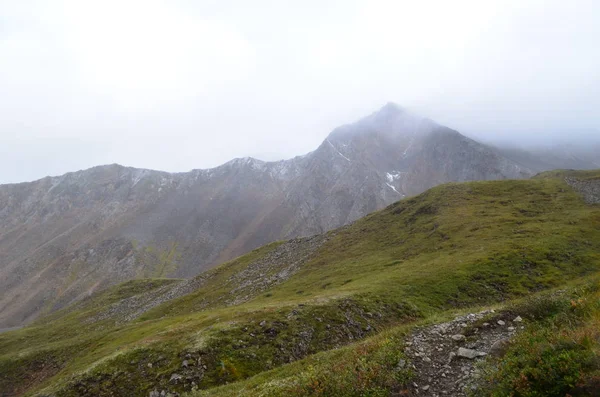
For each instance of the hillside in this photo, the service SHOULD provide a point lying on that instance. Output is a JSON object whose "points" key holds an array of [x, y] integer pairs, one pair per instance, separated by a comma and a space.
{"points": [[316, 315], [62, 238], [563, 156]]}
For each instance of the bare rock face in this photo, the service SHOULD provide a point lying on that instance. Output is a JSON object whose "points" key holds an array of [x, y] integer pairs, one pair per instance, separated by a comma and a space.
{"points": [[63, 237], [589, 189]]}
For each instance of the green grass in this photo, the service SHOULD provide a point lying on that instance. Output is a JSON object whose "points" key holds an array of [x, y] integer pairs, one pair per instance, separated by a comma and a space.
{"points": [[374, 367], [458, 244], [559, 353], [158, 262], [587, 175], [455, 246], [30, 356], [216, 286]]}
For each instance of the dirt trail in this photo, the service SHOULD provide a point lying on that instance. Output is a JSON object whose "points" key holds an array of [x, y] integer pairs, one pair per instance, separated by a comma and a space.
{"points": [[443, 356]]}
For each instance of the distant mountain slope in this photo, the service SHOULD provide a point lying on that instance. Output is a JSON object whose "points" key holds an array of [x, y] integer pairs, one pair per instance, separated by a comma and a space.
{"points": [[556, 157], [454, 246], [64, 237]]}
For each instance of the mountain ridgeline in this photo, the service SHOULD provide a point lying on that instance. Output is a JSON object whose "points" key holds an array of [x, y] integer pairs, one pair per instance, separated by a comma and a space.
{"points": [[62, 238]]}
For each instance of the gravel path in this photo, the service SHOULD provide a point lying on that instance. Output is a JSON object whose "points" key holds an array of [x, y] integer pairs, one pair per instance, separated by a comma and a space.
{"points": [[443, 356]]}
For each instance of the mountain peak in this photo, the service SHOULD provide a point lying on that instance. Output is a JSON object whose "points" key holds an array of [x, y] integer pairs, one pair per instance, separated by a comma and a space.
{"points": [[390, 113], [391, 108], [391, 119]]}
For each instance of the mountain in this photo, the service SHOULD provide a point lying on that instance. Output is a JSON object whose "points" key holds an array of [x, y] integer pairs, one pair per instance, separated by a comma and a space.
{"points": [[409, 300], [565, 156], [61, 238]]}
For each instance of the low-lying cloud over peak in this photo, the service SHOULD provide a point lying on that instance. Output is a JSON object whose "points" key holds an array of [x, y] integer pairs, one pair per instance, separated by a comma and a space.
{"points": [[179, 85]]}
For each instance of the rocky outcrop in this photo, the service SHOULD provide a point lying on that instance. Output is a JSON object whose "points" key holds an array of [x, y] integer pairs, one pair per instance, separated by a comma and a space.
{"points": [[274, 268], [588, 188]]}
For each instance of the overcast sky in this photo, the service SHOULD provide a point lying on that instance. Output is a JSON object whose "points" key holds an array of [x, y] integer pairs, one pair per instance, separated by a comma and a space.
{"points": [[177, 85]]}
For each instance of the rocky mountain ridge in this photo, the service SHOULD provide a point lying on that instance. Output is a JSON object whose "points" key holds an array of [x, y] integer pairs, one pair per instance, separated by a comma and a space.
{"points": [[62, 238]]}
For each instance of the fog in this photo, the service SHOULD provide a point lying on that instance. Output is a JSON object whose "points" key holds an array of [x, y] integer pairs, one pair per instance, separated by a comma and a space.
{"points": [[177, 85]]}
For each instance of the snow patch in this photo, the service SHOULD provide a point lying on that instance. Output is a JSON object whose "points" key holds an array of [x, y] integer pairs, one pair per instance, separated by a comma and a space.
{"points": [[394, 189], [283, 169], [410, 143], [394, 175], [55, 182], [338, 152], [137, 176]]}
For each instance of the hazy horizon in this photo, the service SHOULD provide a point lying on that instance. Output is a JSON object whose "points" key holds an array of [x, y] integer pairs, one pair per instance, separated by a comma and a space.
{"points": [[182, 85], [577, 139]]}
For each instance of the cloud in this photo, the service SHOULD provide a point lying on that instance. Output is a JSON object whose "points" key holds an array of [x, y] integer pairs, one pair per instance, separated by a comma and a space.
{"points": [[146, 52], [177, 85]]}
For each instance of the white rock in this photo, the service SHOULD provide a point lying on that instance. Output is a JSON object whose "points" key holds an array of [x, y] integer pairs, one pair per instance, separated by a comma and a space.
{"points": [[458, 337], [500, 322], [518, 319], [175, 377], [469, 353]]}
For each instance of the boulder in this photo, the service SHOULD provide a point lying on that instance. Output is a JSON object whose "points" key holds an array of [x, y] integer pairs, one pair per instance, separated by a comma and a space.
{"points": [[469, 353], [499, 348]]}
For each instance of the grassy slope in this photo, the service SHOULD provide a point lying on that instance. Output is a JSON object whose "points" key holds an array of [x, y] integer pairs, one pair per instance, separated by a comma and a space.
{"points": [[455, 245], [562, 329], [558, 354], [67, 342]]}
